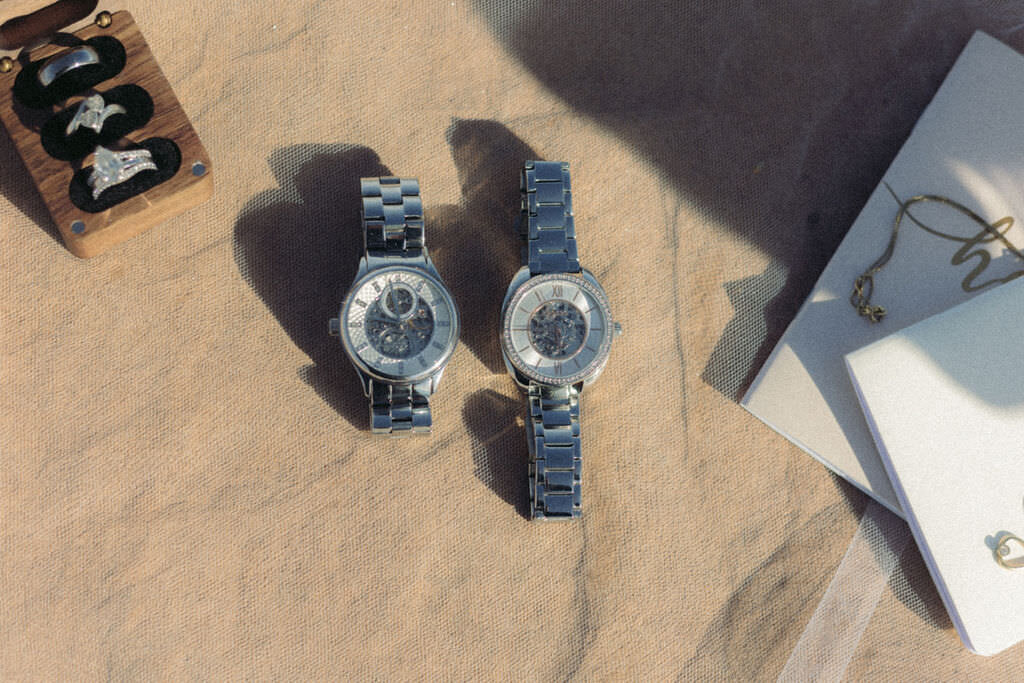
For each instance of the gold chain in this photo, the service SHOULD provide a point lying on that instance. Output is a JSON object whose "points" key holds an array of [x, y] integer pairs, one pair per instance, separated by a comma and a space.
{"points": [[864, 285]]}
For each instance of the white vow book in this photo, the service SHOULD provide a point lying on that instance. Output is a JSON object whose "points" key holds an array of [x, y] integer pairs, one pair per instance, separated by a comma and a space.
{"points": [[968, 146], [944, 400]]}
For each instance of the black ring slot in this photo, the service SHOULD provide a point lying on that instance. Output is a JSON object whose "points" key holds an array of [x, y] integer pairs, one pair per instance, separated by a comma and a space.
{"points": [[32, 93], [167, 158], [58, 144]]}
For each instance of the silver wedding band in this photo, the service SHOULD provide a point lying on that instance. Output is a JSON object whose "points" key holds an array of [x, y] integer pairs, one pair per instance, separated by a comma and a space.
{"points": [[60, 64]]}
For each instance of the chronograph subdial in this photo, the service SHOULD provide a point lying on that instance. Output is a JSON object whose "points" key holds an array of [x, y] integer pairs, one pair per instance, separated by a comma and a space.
{"points": [[400, 323], [557, 329]]}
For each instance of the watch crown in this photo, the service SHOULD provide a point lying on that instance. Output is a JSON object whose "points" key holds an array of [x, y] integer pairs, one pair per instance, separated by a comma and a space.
{"points": [[618, 328], [334, 327]]}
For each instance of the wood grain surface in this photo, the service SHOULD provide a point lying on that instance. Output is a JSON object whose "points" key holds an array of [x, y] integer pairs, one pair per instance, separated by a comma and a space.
{"points": [[94, 233]]}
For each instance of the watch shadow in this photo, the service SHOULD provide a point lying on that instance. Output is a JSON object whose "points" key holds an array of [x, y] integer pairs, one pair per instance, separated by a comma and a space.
{"points": [[475, 245], [298, 246], [500, 456]]}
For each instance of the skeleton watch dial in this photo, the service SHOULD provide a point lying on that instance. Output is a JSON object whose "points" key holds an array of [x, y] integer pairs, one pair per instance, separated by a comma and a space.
{"points": [[557, 328], [399, 323]]}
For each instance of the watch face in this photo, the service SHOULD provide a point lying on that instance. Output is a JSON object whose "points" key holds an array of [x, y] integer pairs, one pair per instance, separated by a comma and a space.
{"points": [[557, 328], [399, 323]]}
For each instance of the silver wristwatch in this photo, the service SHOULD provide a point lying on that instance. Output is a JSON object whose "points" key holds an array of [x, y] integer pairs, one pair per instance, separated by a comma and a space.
{"points": [[556, 333], [398, 323]]}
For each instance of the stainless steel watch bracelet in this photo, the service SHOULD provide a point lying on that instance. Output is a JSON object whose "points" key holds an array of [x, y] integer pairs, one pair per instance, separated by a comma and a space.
{"points": [[553, 426], [547, 222], [392, 216], [555, 469], [393, 229], [400, 409]]}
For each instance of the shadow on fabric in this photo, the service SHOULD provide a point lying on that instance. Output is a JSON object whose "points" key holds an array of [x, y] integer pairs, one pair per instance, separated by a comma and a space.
{"points": [[499, 446], [298, 246], [775, 119], [481, 230], [786, 586], [790, 588]]}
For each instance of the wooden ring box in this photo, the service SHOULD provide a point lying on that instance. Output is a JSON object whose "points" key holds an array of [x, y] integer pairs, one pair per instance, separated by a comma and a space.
{"points": [[92, 230]]}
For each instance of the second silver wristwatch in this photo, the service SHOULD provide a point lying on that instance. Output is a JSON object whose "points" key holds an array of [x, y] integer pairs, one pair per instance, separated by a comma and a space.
{"points": [[398, 323], [556, 334]]}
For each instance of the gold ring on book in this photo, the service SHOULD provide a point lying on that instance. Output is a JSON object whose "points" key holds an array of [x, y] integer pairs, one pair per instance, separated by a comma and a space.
{"points": [[1010, 551]]}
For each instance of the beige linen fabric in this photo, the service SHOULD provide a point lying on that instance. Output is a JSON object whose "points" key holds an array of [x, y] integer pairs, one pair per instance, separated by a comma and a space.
{"points": [[189, 489]]}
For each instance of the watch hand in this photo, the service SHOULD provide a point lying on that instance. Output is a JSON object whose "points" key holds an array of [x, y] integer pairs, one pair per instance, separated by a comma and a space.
{"points": [[385, 321]]}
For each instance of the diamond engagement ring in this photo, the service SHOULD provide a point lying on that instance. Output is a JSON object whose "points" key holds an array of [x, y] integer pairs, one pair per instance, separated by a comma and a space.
{"points": [[92, 113], [113, 168], [60, 64]]}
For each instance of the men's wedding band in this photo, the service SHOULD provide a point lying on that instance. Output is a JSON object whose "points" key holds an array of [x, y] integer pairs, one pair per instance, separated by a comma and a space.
{"points": [[60, 64]]}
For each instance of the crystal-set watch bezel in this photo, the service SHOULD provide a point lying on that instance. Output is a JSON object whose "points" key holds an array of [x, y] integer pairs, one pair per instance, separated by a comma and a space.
{"points": [[377, 372], [603, 347]]}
